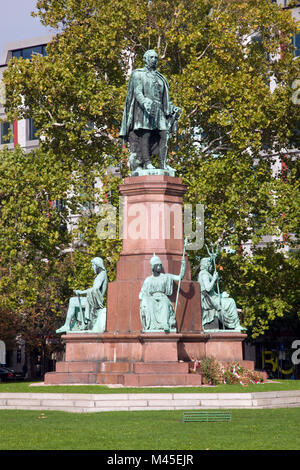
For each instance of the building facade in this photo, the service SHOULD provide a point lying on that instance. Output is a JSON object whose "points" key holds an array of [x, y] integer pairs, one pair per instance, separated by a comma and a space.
{"points": [[19, 132]]}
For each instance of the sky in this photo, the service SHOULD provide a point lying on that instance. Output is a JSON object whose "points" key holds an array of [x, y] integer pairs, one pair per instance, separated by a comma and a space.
{"points": [[16, 23]]}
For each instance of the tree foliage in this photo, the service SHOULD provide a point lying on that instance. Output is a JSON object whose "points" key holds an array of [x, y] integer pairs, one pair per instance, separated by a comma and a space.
{"points": [[32, 240], [220, 57]]}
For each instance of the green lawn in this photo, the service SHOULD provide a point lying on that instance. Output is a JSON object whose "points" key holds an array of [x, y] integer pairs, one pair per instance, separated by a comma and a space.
{"points": [[24, 387], [276, 429], [272, 429]]}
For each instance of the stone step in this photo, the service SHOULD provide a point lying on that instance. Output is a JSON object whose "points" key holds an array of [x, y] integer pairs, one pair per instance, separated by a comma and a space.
{"points": [[86, 403], [76, 367], [161, 368], [123, 367], [110, 378], [83, 378], [94, 366], [127, 379], [57, 378], [146, 380]]}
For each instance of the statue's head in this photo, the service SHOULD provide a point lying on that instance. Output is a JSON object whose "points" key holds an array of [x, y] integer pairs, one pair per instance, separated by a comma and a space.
{"points": [[151, 58], [156, 263], [205, 263], [98, 264]]}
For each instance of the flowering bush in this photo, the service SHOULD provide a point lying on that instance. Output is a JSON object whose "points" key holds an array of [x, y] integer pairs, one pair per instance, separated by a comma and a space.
{"points": [[211, 370], [215, 372], [235, 373]]}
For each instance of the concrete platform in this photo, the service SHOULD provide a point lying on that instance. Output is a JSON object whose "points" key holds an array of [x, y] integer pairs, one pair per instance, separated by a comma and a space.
{"points": [[88, 403]]}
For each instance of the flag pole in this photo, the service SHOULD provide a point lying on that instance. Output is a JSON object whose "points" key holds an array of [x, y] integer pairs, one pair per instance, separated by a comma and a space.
{"points": [[178, 289]]}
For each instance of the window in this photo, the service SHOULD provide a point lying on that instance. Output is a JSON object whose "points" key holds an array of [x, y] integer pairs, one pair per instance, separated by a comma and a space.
{"points": [[7, 130], [60, 204], [19, 356], [17, 53], [28, 52], [296, 44], [285, 4], [32, 130]]}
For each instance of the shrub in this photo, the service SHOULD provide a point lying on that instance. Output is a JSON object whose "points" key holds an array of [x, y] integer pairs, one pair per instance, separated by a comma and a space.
{"points": [[214, 373], [235, 373], [230, 378]]}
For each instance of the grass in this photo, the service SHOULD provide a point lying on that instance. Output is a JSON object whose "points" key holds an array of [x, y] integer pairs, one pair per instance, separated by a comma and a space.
{"points": [[272, 429], [24, 387], [276, 429]]}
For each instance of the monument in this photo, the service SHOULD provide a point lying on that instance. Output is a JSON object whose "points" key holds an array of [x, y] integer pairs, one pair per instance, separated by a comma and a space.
{"points": [[153, 324]]}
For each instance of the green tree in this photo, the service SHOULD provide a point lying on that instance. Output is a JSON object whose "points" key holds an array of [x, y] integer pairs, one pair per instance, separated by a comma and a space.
{"points": [[220, 57], [33, 239]]}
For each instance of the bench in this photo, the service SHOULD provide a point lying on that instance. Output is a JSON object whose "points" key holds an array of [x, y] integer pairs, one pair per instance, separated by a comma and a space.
{"points": [[189, 416]]}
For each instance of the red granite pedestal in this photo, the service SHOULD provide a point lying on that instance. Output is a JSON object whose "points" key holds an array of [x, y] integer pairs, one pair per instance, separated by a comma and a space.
{"points": [[124, 354]]}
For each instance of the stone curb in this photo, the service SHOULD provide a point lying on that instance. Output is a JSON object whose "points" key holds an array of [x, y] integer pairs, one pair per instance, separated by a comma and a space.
{"points": [[87, 403]]}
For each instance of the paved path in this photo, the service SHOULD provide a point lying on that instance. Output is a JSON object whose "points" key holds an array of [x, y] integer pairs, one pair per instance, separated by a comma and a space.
{"points": [[87, 403]]}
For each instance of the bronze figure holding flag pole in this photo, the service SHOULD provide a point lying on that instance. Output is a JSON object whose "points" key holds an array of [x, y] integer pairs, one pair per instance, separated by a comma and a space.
{"points": [[156, 310], [217, 307]]}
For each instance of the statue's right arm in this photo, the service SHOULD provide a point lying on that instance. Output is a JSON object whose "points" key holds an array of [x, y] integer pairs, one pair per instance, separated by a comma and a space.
{"points": [[80, 292]]}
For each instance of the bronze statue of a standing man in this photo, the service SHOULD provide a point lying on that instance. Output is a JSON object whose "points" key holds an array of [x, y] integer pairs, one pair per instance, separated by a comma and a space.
{"points": [[149, 116]]}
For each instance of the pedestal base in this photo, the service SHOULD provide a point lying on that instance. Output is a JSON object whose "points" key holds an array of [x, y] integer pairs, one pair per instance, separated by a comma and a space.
{"points": [[142, 359], [224, 346]]}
